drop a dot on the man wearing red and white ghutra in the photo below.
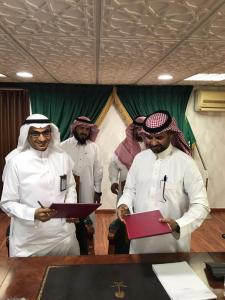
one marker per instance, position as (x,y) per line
(88,170)
(124,155)
(118,168)
(165,177)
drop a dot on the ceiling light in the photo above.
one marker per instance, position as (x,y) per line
(207,77)
(165,77)
(2,75)
(24,74)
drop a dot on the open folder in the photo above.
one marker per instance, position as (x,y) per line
(145,224)
(73,210)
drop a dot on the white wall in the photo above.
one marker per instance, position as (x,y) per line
(209,130)
(112,132)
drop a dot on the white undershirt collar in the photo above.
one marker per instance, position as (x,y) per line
(41,154)
(165,153)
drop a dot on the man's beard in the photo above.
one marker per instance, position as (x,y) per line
(157,149)
(80,138)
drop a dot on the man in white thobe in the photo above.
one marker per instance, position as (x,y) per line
(118,168)
(124,154)
(165,177)
(87,168)
(38,173)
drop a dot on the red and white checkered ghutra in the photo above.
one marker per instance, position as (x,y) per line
(161,121)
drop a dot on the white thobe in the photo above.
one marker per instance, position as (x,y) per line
(118,171)
(87,165)
(33,176)
(184,191)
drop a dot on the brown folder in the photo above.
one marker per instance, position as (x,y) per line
(74,210)
(145,224)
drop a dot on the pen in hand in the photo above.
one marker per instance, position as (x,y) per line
(44,214)
(52,211)
(42,206)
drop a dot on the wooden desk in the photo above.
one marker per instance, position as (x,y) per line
(22,277)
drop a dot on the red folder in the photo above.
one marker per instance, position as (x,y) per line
(145,224)
(73,210)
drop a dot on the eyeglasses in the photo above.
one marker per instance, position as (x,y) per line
(163,189)
(36,134)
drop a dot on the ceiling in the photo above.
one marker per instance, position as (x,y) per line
(112,41)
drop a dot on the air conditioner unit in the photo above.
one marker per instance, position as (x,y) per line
(208,100)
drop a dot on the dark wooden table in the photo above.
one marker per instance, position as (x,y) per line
(22,277)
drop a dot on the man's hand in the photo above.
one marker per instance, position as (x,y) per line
(97,197)
(122,211)
(44,214)
(115,188)
(172,223)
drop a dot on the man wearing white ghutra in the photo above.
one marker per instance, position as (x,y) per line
(37,173)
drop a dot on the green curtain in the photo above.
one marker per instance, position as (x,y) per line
(143,100)
(62,103)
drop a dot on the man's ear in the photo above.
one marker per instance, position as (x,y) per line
(171,134)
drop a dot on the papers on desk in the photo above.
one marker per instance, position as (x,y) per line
(181,282)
